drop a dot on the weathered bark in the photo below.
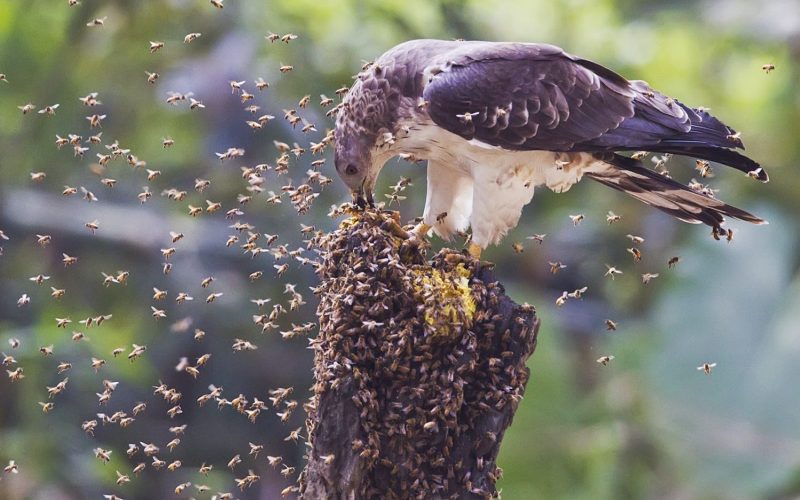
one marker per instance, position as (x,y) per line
(419,368)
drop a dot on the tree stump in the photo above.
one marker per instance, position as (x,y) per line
(419,369)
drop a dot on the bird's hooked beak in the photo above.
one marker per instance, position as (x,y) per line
(362,197)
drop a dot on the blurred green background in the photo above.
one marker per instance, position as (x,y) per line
(648,425)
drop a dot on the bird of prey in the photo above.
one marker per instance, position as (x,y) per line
(495,119)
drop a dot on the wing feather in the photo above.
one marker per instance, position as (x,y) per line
(554,101)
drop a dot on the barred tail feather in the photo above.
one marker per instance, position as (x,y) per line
(665,194)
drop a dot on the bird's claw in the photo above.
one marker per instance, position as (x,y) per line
(474,251)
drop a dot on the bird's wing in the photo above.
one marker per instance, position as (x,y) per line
(537,97)
(527,96)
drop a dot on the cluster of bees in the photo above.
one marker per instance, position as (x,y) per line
(413,396)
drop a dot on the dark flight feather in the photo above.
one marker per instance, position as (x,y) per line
(536,97)
(629,176)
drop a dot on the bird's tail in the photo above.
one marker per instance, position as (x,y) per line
(629,176)
(710,139)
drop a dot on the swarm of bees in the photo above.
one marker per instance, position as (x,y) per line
(411,381)
(299,183)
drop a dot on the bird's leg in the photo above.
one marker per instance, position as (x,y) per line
(474,251)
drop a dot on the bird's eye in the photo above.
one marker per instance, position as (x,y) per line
(351,169)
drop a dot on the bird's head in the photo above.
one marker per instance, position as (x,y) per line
(366,114)
(357,162)
(353,160)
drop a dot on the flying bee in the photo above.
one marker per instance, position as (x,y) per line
(39,278)
(181,487)
(108,182)
(767,68)
(103,455)
(96,120)
(605,360)
(707,367)
(207,281)
(611,217)
(218,3)
(93,226)
(636,253)
(49,110)
(285,68)
(158,313)
(611,325)
(38,176)
(673,261)
(139,408)
(212,206)
(144,195)
(97,22)
(15,375)
(612,271)
(212,297)
(156,46)
(88,426)
(195,211)
(261,84)
(647,277)
(122,478)
(43,240)
(173,444)
(191,37)
(704,168)
(88,195)
(26,108)
(201,184)
(576,219)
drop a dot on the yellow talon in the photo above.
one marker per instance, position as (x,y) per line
(475,251)
(420,231)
